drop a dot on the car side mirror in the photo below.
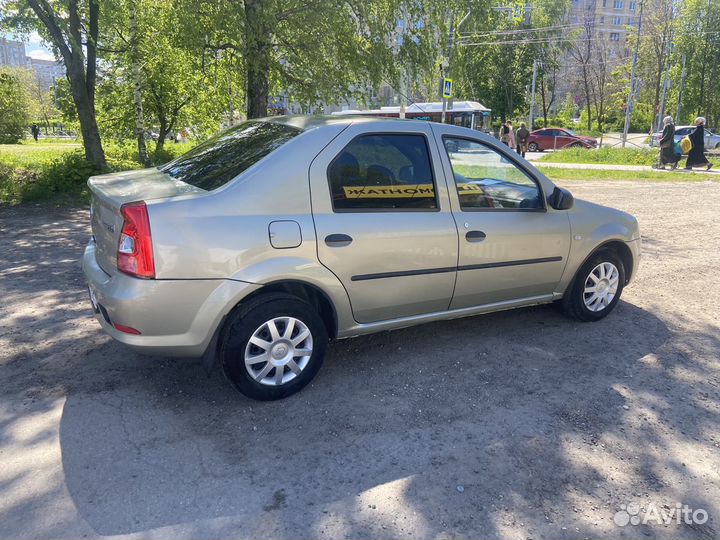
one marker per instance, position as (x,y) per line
(561,199)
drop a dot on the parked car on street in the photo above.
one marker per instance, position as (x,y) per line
(558,138)
(712,140)
(275,235)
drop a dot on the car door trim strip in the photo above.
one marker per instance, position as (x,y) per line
(425,271)
(364,277)
(509,263)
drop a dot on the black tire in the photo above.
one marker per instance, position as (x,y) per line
(245,320)
(533,147)
(576,145)
(574,299)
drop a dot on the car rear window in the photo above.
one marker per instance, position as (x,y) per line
(222,157)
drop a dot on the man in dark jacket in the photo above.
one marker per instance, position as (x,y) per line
(696,156)
(522,139)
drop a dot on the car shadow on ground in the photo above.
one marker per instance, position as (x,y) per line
(537,418)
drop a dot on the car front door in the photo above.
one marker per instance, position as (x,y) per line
(383,221)
(512,245)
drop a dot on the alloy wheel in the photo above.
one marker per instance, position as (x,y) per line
(278,351)
(601,286)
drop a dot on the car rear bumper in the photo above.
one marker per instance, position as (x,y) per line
(174,317)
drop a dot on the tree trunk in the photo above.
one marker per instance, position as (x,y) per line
(162,133)
(544,104)
(137,85)
(86,115)
(257,58)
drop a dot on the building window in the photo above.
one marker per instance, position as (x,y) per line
(631,21)
(614,36)
(617,21)
(618,4)
(602,20)
(633,6)
(604,3)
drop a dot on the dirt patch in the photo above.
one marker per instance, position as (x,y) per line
(521,424)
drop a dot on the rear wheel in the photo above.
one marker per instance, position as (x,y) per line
(533,147)
(273,346)
(597,287)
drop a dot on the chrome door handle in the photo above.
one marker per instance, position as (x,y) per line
(475,236)
(338,240)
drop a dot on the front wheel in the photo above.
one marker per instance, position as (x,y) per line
(597,287)
(533,147)
(273,346)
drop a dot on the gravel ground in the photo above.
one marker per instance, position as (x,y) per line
(520,424)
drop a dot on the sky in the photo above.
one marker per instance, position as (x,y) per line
(35,47)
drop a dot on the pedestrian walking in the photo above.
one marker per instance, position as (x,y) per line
(510,135)
(522,139)
(35,129)
(667,145)
(505,133)
(696,155)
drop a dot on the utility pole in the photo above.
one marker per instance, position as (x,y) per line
(403,89)
(680,95)
(666,86)
(631,94)
(532,95)
(447,69)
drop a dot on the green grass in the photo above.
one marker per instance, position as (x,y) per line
(34,155)
(608,156)
(57,170)
(556,173)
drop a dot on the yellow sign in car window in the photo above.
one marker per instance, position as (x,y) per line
(405,191)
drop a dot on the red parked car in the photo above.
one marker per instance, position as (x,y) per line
(557,138)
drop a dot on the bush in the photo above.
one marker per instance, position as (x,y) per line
(39,172)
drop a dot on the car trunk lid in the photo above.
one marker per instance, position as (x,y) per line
(110,191)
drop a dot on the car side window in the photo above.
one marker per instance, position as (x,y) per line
(378,172)
(487,180)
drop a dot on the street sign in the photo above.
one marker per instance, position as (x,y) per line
(447,88)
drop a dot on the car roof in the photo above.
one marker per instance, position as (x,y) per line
(314,121)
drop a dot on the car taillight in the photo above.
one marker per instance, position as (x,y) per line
(135,253)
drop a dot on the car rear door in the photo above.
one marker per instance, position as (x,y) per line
(383,220)
(512,246)
(541,138)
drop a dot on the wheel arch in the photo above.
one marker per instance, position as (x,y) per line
(303,290)
(620,248)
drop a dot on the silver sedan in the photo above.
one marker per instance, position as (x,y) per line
(256,247)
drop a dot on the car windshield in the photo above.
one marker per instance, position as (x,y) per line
(222,157)
(571,132)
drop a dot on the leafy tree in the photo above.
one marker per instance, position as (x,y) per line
(698,39)
(316,50)
(496,55)
(73,27)
(14,105)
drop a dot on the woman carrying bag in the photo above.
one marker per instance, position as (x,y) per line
(696,156)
